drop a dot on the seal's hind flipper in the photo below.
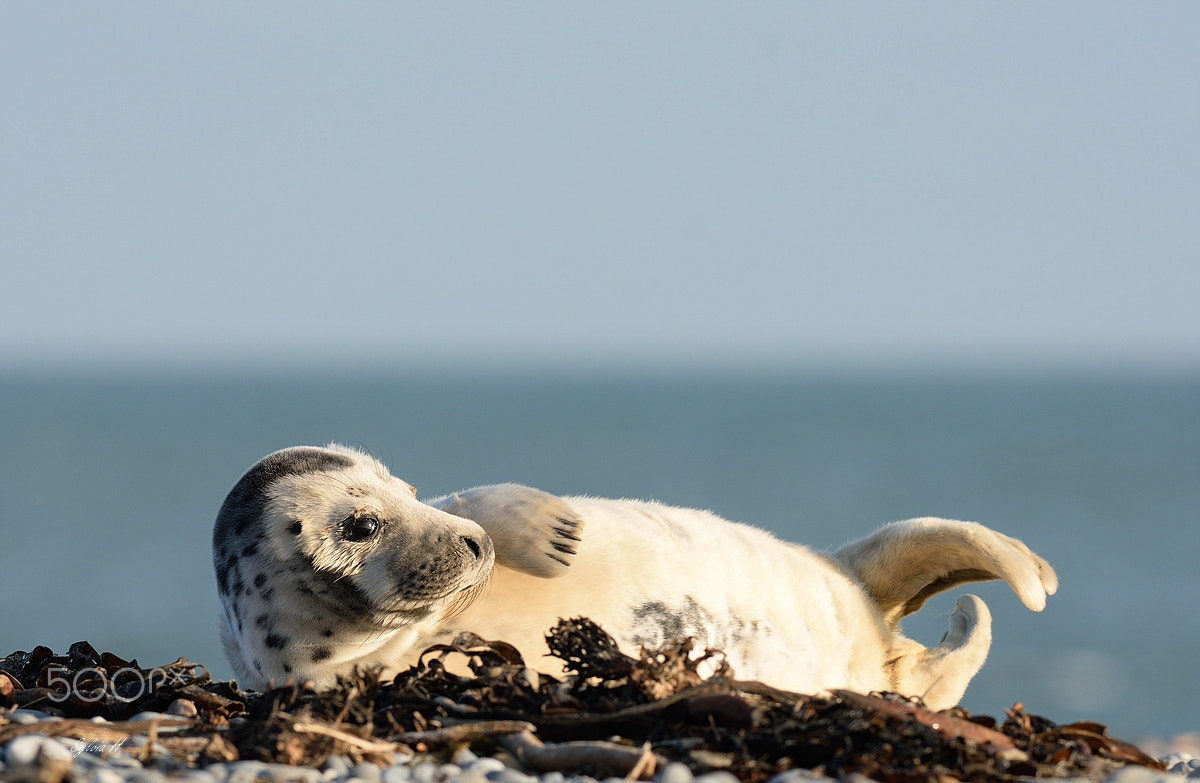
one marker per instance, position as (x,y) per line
(940,675)
(533,531)
(905,563)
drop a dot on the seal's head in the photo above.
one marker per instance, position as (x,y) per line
(322,557)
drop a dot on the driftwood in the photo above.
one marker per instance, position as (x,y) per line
(598,759)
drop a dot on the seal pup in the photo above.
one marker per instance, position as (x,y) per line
(330,562)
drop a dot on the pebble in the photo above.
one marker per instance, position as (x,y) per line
(397,774)
(1133,774)
(509,775)
(105,763)
(798,776)
(192,776)
(717,777)
(335,767)
(485,765)
(463,757)
(674,772)
(367,773)
(243,771)
(1183,764)
(25,750)
(27,717)
(183,708)
(104,775)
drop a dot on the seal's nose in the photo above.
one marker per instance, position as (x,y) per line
(473,545)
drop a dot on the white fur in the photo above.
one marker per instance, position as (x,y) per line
(785,615)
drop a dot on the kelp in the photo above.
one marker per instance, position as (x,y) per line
(606,713)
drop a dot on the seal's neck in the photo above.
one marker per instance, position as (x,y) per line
(272,643)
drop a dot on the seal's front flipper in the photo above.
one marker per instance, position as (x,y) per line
(940,675)
(533,531)
(905,563)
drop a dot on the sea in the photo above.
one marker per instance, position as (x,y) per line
(109,485)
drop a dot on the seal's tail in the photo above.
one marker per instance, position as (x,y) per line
(940,675)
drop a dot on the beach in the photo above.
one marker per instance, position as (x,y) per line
(95,717)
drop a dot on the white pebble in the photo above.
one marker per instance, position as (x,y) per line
(25,750)
(1182,764)
(424,772)
(798,776)
(146,776)
(446,772)
(553,777)
(1132,774)
(243,771)
(192,776)
(509,775)
(104,775)
(400,773)
(469,776)
(367,773)
(485,765)
(284,773)
(123,761)
(674,772)
(183,708)
(463,757)
(717,777)
(335,767)
(28,717)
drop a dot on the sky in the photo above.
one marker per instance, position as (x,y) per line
(784,185)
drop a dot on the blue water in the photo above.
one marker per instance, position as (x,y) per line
(108,488)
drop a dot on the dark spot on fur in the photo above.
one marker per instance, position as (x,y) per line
(321,654)
(249,549)
(327,632)
(276,641)
(258,666)
(690,619)
(244,504)
(260,580)
(266,594)
(262,621)
(295,527)
(287,668)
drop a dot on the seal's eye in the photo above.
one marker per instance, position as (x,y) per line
(360,528)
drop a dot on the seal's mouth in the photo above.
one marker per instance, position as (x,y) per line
(393,619)
(401,610)
(466,597)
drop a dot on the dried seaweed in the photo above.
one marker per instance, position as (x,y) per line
(480,693)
